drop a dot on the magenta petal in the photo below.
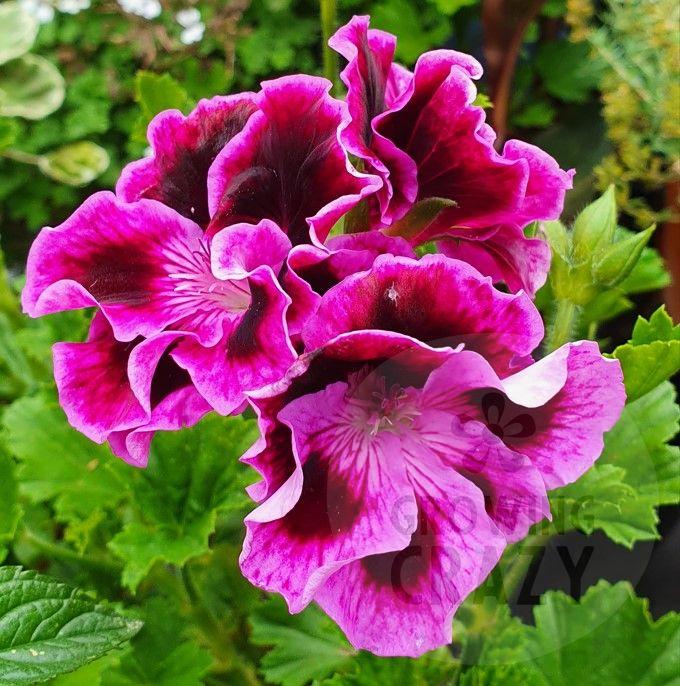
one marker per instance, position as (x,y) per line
(350,494)
(183,148)
(438,300)
(506,256)
(123,257)
(586,399)
(546,186)
(514,490)
(287,164)
(92,380)
(403,603)
(254,349)
(375,85)
(242,248)
(272,455)
(182,408)
(312,270)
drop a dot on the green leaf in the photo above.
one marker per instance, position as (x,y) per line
(417,30)
(59,464)
(10,511)
(659,327)
(436,667)
(539,114)
(638,444)
(9,130)
(192,475)
(76,164)
(156,93)
(636,473)
(450,7)
(88,675)
(607,637)
(568,70)
(593,502)
(306,646)
(18,30)
(162,654)
(651,356)
(594,227)
(48,628)
(616,262)
(30,87)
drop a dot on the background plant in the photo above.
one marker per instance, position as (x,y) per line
(161,545)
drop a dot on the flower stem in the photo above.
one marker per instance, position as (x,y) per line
(564,323)
(525,555)
(21,156)
(330,61)
(50,548)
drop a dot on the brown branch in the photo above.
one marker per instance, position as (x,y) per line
(505,22)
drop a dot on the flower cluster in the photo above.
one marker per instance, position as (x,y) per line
(266,253)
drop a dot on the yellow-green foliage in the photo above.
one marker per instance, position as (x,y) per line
(640,43)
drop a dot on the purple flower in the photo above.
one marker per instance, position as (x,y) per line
(214,302)
(287,164)
(125,391)
(389,488)
(183,148)
(312,270)
(424,137)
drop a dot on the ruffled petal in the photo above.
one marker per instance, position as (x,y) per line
(350,496)
(586,399)
(93,384)
(130,259)
(181,408)
(555,411)
(402,603)
(314,270)
(438,300)
(375,85)
(254,348)
(506,255)
(183,148)
(546,186)
(287,164)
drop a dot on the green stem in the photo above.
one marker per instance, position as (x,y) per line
(21,156)
(564,323)
(330,59)
(526,554)
(58,551)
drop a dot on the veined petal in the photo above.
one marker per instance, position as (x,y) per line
(287,164)
(181,408)
(183,149)
(313,270)
(93,384)
(555,411)
(438,300)
(402,603)
(514,492)
(354,489)
(253,350)
(506,255)
(375,85)
(570,425)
